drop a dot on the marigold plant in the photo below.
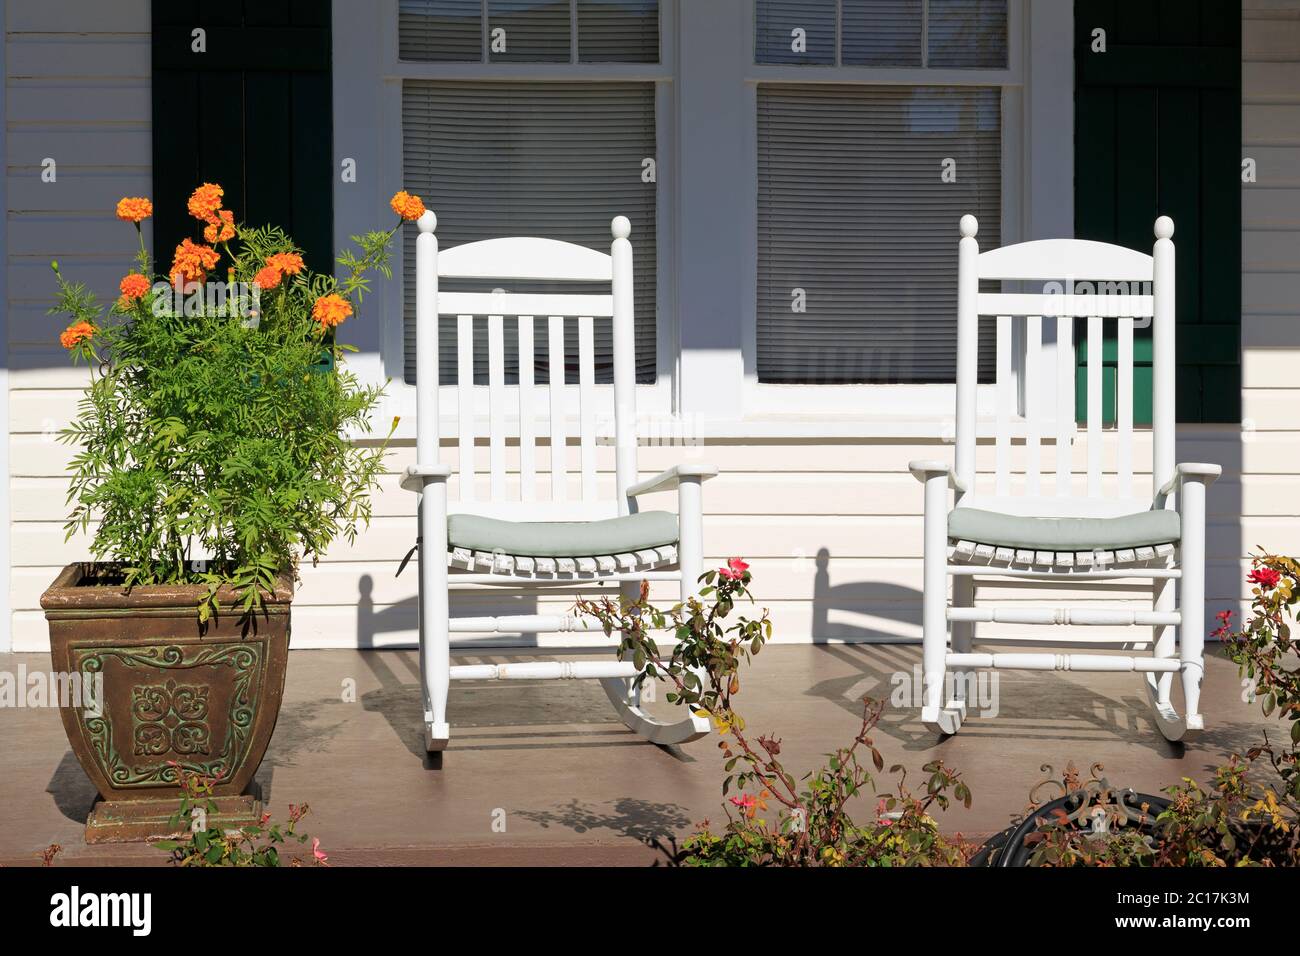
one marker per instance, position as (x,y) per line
(217,440)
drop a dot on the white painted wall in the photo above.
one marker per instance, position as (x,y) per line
(789,490)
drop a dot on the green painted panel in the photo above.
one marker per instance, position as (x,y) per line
(1158,132)
(253,113)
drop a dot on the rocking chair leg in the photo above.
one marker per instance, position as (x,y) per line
(963,632)
(1191,601)
(936,716)
(435,650)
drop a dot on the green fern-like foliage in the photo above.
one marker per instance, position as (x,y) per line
(221,426)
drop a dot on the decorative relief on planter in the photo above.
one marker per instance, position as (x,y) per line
(190,704)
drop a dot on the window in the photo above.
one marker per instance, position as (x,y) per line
(529,31)
(860,189)
(882,33)
(556,159)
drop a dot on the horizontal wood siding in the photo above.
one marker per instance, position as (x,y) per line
(832,528)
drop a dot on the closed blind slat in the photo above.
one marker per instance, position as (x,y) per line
(558,160)
(853,211)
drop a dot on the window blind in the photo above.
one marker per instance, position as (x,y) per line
(618,31)
(857,227)
(530,31)
(443,30)
(775,22)
(968,33)
(533,31)
(555,159)
(881,33)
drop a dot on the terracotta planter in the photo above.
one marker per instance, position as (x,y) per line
(206,700)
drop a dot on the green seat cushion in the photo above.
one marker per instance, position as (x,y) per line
(1063,534)
(563,539)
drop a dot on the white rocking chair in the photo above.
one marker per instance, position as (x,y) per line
(516,540)
(1088,531)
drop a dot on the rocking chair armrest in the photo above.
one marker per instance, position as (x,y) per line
(671,478)
(1190,470)
(415,477)
(924,468)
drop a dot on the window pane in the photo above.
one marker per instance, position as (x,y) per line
(440,30)
(968,33)
(558,160)
(794,31)
(857,226)
(882,33)
(528,31)
(618,31)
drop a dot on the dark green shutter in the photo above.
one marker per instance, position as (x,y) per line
(253,113)
(1158,132)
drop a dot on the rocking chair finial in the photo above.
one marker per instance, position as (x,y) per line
(428,221)
(621,227)
(1164,228)
(969,226)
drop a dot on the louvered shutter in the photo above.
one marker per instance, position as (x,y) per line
(853,211)
(555,159)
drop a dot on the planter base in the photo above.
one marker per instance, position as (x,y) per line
(138,821)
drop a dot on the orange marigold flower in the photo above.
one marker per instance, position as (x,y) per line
(205,201)
(134,286)
(290,263)
(134,208)
(406,205)
(267,278)
(192,261)
(221,227)
(330,310)
(73,335)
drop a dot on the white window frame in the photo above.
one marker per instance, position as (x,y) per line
(879,402)
(368,77)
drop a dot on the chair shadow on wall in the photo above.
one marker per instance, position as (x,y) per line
(482,717)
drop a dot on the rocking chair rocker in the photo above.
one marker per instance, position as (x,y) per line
(512,538)
(1090,531)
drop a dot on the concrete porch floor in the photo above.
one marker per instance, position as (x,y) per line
(573,786)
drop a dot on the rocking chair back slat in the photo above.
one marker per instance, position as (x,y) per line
(497,404)
(1092,281)
(558,434)
(465,402)
(527,429)
(1064,401)
(1033,420)
(1005,403)
(1094,405)
(587,403)
(1124,405)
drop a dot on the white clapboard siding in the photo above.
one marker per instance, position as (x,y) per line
(777,502)
(77,90)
